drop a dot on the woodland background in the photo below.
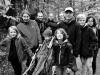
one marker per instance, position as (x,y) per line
(56,6)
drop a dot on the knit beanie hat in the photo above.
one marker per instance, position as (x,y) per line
(47,32)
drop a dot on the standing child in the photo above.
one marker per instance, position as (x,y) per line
(62,53)
(88,43)
(91,21)
(16,48)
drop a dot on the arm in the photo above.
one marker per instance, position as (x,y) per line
(93,40)
(51,43)
(70,55)
(77,40)
(38,33)
(53,24)
(54,46)
(26,47)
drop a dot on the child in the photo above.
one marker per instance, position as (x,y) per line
(91,21)
(44,54)
(88,43)
(62,52)
(16,48)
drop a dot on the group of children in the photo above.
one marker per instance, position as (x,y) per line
(60,46)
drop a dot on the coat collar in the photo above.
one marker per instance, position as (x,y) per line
(63,43)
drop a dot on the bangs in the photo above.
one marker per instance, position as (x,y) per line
(65,36)
(14,28)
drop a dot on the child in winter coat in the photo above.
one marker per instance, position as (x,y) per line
(17,49)
(88,44)
(91,21)
(61,52)
(44,54)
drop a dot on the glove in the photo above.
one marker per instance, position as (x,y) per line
(68,70)
(33,57)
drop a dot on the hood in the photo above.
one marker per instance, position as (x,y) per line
(62,43)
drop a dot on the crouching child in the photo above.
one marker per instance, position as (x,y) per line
(44,55)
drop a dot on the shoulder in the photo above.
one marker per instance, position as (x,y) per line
(69,44)
(89,28)
(20,38)
(33,21)
(77,25)
(55,43)
(19,25)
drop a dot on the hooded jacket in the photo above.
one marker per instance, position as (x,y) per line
(62,53)
(88,42)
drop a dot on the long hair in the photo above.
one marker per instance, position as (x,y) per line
(14,28)
(94,20)
(65,35)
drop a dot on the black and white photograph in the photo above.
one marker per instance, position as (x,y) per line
(49,37)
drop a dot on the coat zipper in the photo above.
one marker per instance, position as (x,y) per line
(59,54)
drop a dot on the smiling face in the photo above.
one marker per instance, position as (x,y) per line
(90,22)
(59,35)
(68,15)
(25,17)
(40,16)
(12,33)
(82,21)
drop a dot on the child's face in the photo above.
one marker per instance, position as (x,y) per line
(82,21)
(59,35)
(12,33)
(90,21)
(47,37)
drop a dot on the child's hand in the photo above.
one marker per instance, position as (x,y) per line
(53,37)
(53,68)
(33,57)
(51,42)
(40,45)
(68,70)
